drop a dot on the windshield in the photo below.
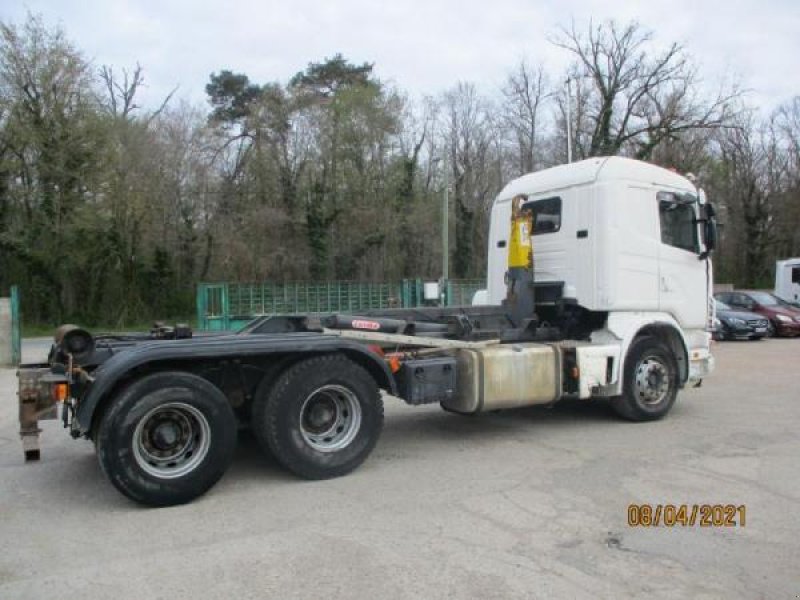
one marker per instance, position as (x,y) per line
(722,306)
(765,299)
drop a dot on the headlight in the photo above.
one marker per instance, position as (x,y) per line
(784,318)
(736,322)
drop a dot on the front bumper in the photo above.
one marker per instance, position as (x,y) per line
(701,364)
(744,331)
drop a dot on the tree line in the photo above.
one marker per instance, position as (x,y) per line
(111,212)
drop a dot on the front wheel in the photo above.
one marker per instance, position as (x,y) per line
(321,418)
(650,383)
(167,438)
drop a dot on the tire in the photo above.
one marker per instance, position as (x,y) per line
(321,418)
(166,438)
(650,383)
(772,330)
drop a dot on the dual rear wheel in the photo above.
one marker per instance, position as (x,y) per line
(169,437)
(321,418)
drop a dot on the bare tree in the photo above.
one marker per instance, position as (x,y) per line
(121,93)
(750,183)
(786,127)
(473,161)
(639,96)
(524,93)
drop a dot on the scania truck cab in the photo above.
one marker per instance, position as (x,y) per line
(631,243)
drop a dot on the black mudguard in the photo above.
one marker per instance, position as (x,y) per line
(117,368)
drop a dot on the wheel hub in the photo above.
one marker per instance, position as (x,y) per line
(321,415)
(652,381)
(171,440)
(330,418)
(165,436)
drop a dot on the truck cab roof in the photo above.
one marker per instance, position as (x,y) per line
(594,170)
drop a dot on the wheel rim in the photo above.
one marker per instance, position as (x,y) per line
(652,381)
(171,440)
(330,418)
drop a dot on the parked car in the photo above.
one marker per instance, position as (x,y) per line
(784,319)
(734,324)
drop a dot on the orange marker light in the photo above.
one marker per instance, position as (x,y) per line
(393,360)
(60,392)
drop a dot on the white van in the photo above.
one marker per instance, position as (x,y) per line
(787,280)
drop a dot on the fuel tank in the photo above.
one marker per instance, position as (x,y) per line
(505,376)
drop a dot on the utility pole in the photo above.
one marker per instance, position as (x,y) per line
(569,121)
(445,233)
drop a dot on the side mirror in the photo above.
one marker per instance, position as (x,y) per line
(709,229)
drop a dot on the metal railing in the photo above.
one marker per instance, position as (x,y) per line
(226,306)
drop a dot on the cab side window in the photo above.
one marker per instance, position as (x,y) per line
(678,225)
(546,215)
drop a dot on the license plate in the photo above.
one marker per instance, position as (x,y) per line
(761,330)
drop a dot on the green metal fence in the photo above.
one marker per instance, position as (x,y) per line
(226,306)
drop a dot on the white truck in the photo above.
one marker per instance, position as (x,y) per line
(599,285)
(787,280)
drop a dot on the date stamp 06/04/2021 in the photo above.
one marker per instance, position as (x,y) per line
(687,515)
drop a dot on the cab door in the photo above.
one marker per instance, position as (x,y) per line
(684,280)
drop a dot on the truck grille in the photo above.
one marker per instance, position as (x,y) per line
(757,322)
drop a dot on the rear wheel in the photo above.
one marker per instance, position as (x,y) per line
(167,438)
(650,383)
(321,418)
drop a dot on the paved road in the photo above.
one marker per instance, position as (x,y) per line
(528,503)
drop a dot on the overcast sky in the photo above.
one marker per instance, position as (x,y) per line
(422,46)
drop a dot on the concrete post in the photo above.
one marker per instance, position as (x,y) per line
(6,344)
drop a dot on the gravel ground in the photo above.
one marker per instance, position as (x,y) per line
(528,503)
